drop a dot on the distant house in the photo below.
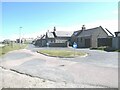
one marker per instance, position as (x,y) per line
(41,42)
(27,40)
(116,41)
(45,40)
(93,37)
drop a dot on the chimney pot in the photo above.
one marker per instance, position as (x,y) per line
(83,27)
(54,29)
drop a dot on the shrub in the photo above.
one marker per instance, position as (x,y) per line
(109,49)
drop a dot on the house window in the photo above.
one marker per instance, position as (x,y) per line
(81,39)
(51,41)
(77,40)
(75,33)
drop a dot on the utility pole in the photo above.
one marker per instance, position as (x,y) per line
(20,36)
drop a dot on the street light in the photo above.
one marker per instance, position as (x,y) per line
(20,36)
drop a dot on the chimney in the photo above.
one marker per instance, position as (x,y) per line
(116,34)
(83,27)
(54,29)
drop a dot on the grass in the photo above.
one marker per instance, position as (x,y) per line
(7,48)
(61,53)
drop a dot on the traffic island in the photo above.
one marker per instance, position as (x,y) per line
(62,53)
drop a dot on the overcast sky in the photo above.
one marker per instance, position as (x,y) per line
(36,18)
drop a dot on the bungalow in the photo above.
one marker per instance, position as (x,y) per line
(93,37)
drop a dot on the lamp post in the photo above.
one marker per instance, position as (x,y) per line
(20,36)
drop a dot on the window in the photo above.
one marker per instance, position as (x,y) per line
(81,39)
(51,41)
(75,33)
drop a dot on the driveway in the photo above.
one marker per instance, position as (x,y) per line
(97,69)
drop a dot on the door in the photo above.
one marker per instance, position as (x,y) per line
(87,43)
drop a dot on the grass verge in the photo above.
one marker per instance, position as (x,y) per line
(62,53)
(7,48)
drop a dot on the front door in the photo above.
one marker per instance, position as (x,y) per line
(87,43)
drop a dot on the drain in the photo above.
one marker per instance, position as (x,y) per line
(62,65)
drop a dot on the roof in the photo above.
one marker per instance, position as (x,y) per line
(43,37)
(50,35)
(63,33)
(108,32)
(76,33)
(89,32)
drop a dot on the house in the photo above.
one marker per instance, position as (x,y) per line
(61,38)
(27,40)
(93,37)
(116,40)
(58,38)
(41,42)
(54,39)
(45,39)
(50,38)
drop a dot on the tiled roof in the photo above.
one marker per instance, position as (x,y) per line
(43,37)
(89,32)
(50,35)
(63,33)
(76,33)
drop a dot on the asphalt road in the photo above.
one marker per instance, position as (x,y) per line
(99,68)
(95,57)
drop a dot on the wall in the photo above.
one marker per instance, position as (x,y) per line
(81,42)
(104,42)
(44,43)
(58,44)
(37,42)
(73,39)
(116,42)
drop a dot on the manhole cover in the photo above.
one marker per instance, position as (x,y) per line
(62,65)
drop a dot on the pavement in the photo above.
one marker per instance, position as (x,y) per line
(11,79)
(98,69)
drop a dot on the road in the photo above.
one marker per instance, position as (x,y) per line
(98,69)
(96,57)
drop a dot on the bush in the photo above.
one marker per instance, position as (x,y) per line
(118,50)
(109,49)
(106,48)
(99,48)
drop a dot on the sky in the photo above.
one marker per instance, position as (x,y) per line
(36,18)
